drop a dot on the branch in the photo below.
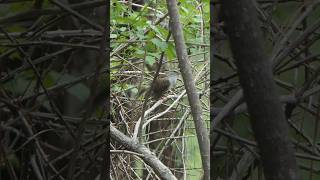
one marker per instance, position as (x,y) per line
(189,83)
(255,73)
(149,157)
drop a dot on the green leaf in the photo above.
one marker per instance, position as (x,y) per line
(80,91)
(160,44)
(139,51)
(123,29)
(150,60)
(22,82)
(171,53)
(156,29)
(113,36)
(19,7)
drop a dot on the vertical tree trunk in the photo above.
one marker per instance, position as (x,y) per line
(254,68)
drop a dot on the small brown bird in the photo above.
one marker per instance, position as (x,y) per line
(163,83)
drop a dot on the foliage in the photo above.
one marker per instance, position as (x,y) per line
(143,39)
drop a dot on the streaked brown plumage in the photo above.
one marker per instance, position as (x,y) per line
(162,84)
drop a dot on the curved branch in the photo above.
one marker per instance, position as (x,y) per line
(149,157)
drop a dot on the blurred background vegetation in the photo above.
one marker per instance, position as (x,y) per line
(293,45)
(52,89)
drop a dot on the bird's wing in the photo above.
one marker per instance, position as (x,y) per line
(161,85)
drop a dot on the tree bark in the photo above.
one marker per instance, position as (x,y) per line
(254,68)
(150,158)
(189,84)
